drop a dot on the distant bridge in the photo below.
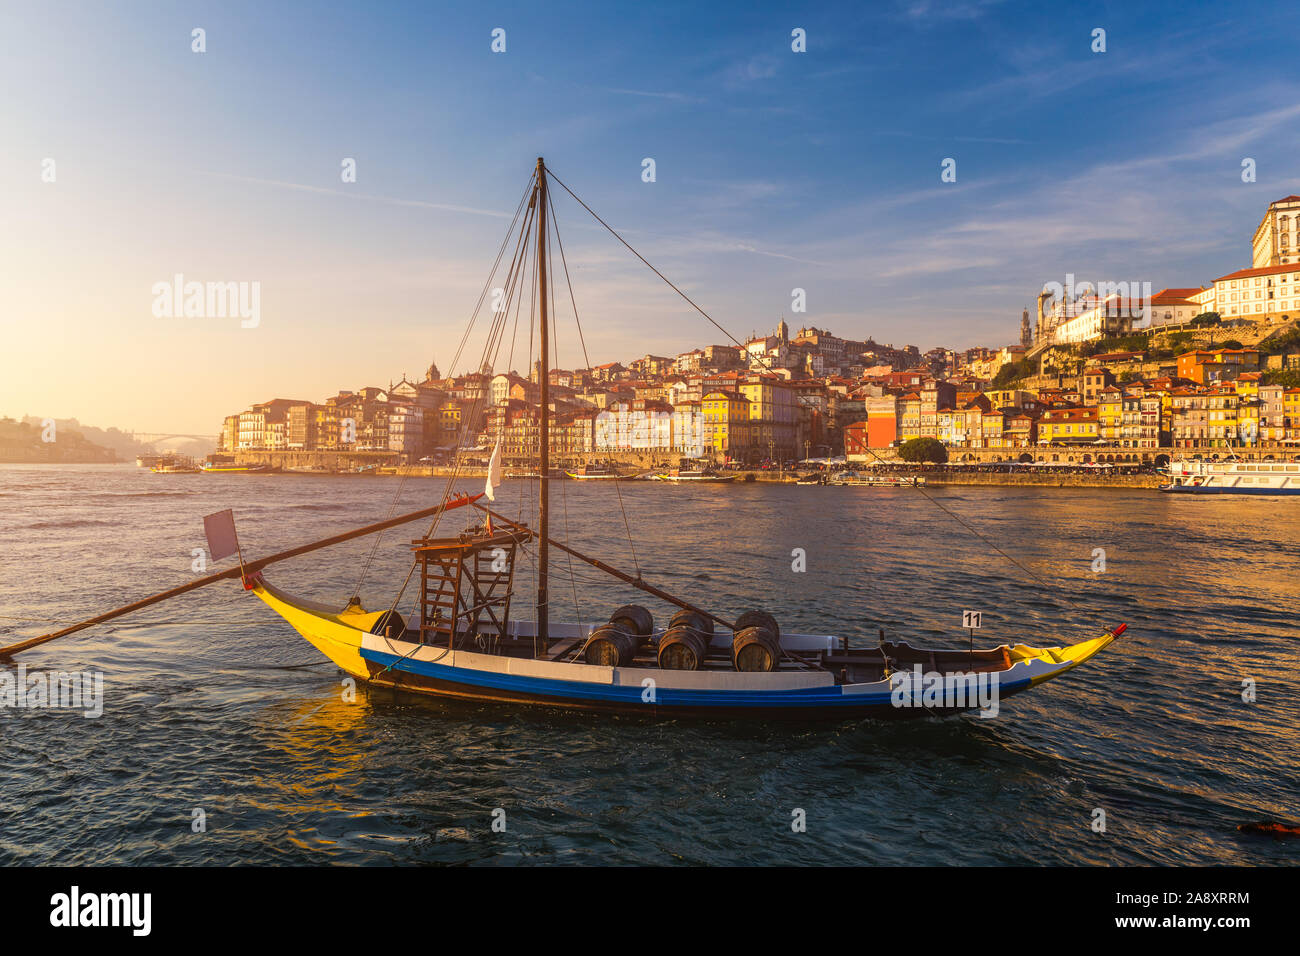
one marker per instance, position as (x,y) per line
(149,438)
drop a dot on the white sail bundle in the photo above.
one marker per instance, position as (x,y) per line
(494,476)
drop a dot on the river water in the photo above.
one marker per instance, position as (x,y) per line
(214,703)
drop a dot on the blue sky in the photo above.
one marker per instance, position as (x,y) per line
(775,170)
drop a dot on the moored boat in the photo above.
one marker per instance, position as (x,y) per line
(231,469)
(867,479)
(695,475)
(594,472)
(1233,477)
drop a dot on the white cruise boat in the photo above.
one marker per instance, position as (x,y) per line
(1193,476)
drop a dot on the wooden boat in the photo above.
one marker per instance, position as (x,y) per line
(174,469)
(457,638)
(224,469)
(174,465)
(488,659)
(695,475)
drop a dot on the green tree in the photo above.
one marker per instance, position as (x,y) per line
(1287,378)
(1281,341)
(1012,372)
(1118,343)
(923,450)
(1205,320)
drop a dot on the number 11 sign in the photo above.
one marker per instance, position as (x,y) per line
(970,619)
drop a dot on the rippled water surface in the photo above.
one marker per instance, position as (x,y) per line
(213,702)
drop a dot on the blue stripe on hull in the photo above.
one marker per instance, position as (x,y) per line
(1202,490)
(546,690)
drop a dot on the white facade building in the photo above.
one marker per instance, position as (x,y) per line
(1277,238)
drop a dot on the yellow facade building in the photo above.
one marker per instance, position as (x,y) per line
(726,423)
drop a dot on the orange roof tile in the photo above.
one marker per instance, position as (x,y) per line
(1265,271)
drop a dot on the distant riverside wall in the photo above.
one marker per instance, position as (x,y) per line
(342,461)
(1048,480)
(1061,455)
(345,460)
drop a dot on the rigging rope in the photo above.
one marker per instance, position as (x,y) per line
(965,524)
(365,568)
(491,349)
(627,527)
(564,486)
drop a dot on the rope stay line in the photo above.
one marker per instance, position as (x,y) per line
(555,222)
(761,358)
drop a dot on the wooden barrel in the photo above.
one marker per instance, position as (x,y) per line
(390,625)
(683,649)
(758,619)
(695,619)
(755,649)
(634,618)
(611,646)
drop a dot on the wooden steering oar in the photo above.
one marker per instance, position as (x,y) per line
(248,568)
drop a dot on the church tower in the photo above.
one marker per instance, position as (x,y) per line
(1026,333)
(432,374)
(783,332)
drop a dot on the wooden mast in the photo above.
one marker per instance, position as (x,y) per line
(543,495)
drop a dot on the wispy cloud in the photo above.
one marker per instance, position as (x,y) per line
(746,72)
(938,11)
(367,197)
(656,94)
